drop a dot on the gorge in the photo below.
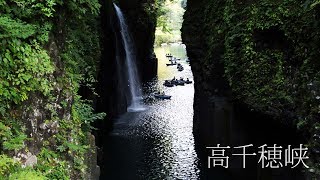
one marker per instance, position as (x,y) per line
(77,80)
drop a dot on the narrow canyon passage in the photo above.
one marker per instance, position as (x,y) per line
(157,143)
(168,139)
(160,89)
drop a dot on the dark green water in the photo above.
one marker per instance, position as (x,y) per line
(157,143)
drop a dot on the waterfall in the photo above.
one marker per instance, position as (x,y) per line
(130,64)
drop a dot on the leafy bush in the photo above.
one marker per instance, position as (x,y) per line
(169,21)
(27,174)
(83,111)
(51,167)
(12,138)
(23,69)
(7,166)
(27,70)
(12,170)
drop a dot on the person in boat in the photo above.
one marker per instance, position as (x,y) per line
(187,79)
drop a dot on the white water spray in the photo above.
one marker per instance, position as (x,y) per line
(131,67)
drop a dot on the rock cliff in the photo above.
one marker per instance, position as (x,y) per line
(253,56)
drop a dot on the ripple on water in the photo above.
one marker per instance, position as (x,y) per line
(159,140)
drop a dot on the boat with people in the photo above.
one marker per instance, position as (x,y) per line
(169,55)
(161,96)
(168,83)
(180,68)
(175,59)
(188,81)
(176,82)
(180,83)
(171,58)
(172,63)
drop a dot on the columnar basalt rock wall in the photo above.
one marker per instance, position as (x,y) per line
(259,56)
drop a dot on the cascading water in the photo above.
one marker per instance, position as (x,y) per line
(130,60)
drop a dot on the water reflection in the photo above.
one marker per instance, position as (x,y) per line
(165,72)
(157,143)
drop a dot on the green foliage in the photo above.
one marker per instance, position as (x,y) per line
(72,139)
(14,143)
(268,77)
(311,3)
(164,38)
(169,21)
(24,69)
(28,8)
(7,165)
(81,8)
(82,53)
(15,29)
(51,167)
(12,138)
(83,111)
(12,170)
(269,51)
(27,174)
(27,70)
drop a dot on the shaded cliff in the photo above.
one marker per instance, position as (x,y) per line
(141,17)
(142,25)
(112,86)
(57,68)
(254,64)
(48,51)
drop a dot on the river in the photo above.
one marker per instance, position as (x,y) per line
(156,143)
